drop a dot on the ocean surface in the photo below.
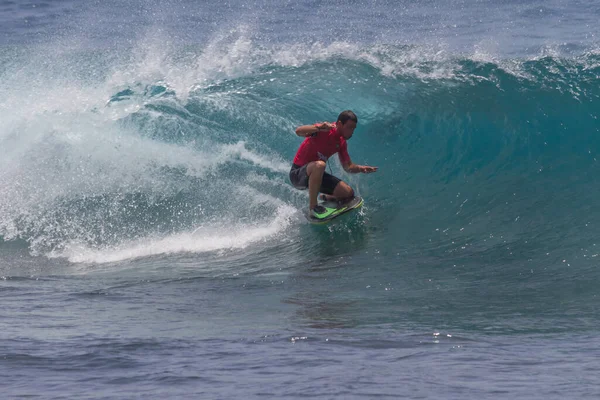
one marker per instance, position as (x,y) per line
(151,245)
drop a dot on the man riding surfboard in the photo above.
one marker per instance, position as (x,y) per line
(323,140)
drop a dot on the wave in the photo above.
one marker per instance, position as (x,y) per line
(106,159)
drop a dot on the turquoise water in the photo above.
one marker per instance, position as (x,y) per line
(151,244)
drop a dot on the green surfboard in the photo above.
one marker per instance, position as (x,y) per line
(335,209)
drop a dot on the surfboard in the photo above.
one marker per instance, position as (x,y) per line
(336,209)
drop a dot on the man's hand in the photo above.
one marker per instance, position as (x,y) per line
(365,169)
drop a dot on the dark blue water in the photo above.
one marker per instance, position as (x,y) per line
(151,245)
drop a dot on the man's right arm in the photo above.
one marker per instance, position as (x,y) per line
(311,130)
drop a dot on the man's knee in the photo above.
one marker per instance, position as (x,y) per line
(320,165)
(317,166)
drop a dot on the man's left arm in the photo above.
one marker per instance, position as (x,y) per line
(349,166)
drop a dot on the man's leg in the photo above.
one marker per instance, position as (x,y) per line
(343,192)
(314,170)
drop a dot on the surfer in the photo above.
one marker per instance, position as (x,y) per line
(323,140)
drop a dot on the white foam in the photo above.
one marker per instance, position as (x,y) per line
(233,53)
(204,239)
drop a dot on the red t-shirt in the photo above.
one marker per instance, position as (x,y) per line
(321,147)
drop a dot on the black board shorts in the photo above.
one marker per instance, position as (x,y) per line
(299,179)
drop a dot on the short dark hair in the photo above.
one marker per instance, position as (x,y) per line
(347,115)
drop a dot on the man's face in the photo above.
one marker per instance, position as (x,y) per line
(347,129)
